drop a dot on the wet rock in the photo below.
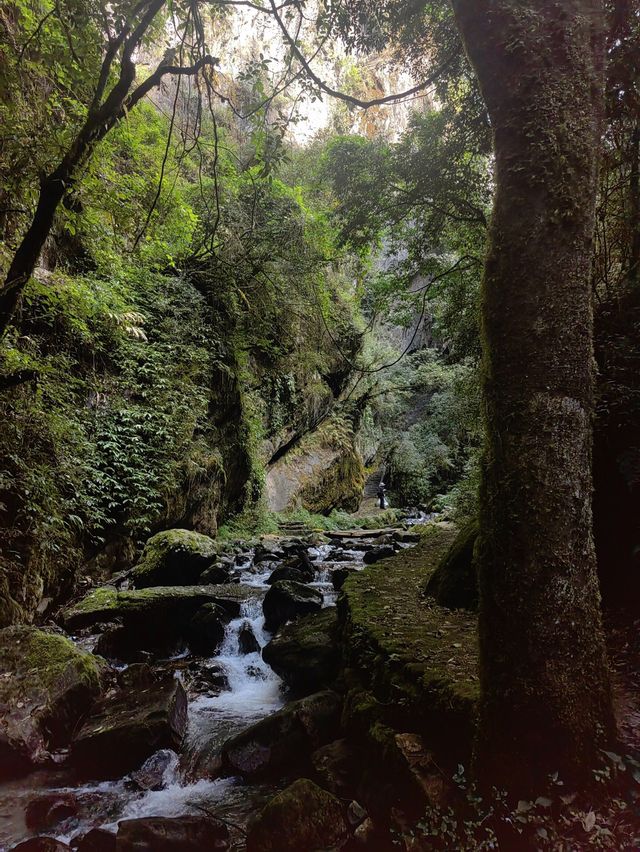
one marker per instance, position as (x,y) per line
(95,840)
(339,577)
(302,817)
(285,572)
(247,641)
(172,834)
(173,557)
(282,742)
(206,630)
(140,642)
(156,608)
(334,767)
(46,811)
(384,551)
(150,776)
(356,814)
(127,727)
(41,844)
(217,574)
(209,679)
(46,685)
(265,553)
(454,583)
(287,600)
(305,653)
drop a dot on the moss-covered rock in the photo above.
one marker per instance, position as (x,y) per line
(174,558)
(178,603)
(46,685)
(339,486)
(454,583)
(305,653)
(302,817)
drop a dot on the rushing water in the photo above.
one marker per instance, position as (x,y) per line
(252,691)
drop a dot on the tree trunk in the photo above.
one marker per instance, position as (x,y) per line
(545,703)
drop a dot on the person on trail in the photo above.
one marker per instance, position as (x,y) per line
(382,495)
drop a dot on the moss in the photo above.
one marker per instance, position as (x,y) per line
(50,655)
(174,556)
(339,487)
(454,583)
(409,651)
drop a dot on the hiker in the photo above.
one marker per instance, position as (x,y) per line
(382,495)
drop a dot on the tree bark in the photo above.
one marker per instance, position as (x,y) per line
(545,693)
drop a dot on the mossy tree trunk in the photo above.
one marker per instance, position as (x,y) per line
(544,672)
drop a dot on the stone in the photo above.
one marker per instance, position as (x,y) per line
(286,572)
(339,577)
(155,607)
(282,742)
(172,834)
(95,840)
(301,817)
(384,551)
(334,766)
(217,574)
(247,641)
(287,600)
(305,652)
(41,844)
(174,558)
(125,728)
(206,630)
(407,536)
(48,810)
(46,686)
(454,583)
(151,774)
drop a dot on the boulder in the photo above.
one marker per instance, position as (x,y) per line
(407,536)
(287,600)
(41,844)
(376,554)
(285,572)
(174,558)
(454,583)
(301,817)
(49,809)
(215,575)
(339,577)
(206,630)
(305,652)
(334,767)
(247,641)
(151,774)
(127,727)
(46,686)
(282,743)
(95,840)
(172,834)
(153,608)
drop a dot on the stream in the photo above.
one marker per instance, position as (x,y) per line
(247,691)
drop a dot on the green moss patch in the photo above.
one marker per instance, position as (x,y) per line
(410,652)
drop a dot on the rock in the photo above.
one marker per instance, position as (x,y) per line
(287,600)
(263,553)
(247,641)
(454,583)
(126,728)
(334,766)
(356,814)
(339,577)
(46,685)
(302,817)
(150,776)
(305,653)
(41,844)
(282,742)
(206,630)
(153,608)
(95,840)
(285,572)
(174,558)
(209,679)
(374,555)
(172,834)
(407,536)
(218,574)
(48,810)
(136,644)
